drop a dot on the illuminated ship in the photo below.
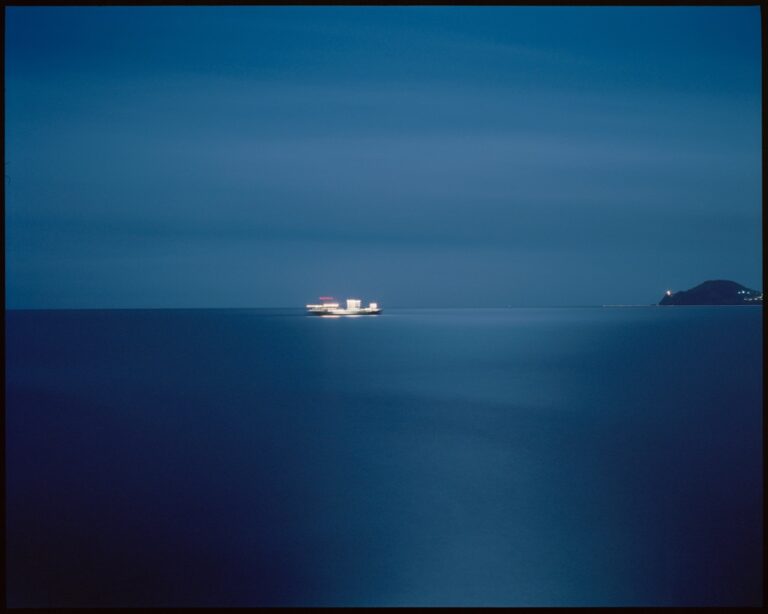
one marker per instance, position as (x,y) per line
(330,308)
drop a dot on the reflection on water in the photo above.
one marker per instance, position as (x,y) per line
(447,457)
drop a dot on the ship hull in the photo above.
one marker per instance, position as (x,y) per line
(343,312)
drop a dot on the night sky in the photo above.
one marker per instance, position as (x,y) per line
(455,156)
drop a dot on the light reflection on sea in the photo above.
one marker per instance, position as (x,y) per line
(419,457)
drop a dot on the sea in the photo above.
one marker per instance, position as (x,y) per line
(606,456)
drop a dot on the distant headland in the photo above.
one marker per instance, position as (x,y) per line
(715,292)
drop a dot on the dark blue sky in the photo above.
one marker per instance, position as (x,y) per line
(458,156)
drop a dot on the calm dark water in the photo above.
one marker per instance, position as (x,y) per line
(448,457)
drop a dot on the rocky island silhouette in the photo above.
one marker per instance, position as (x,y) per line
(714,292)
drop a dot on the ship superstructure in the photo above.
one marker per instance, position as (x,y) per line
(329,307)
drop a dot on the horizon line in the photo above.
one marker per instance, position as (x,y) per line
(211,308)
